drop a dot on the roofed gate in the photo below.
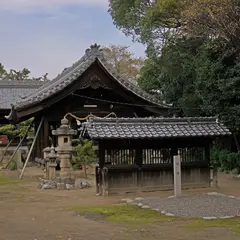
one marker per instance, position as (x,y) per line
(137,154)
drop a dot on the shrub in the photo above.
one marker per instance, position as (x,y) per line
(84,155)
(13,165)
(225,160)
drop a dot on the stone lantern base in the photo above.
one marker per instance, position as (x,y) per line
(52,171)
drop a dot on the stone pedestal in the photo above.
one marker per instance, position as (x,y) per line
(19,159)
(46,152)
(64,149)
(51,165)
(52,170)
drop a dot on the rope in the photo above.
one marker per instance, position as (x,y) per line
(88,116)
(80,119)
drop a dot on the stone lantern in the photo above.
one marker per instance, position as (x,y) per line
(46,151)
(52,156)
(64,148)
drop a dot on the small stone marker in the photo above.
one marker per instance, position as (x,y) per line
(209,218)
(126,199)
(69,187)
(60,186)
(78,183)
(177,176)
(169,215)
(145,207)
(139,199)
(212,193)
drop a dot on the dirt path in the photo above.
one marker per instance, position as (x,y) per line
(28,213)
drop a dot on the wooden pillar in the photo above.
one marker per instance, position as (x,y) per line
(138,162)
(138,156)
(36,151)
(43,138)
(207,159)
(101,154)
(101,165)
(46,142)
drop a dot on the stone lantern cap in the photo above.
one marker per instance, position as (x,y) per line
(52,156)
(47,149)
(64,129)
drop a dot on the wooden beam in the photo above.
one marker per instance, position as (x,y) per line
(20,143)
(46,133)
(30,151)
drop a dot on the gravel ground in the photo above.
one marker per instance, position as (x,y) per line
(202,205)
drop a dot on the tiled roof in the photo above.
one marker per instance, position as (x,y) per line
(69,75)
(135,128)
(13,91)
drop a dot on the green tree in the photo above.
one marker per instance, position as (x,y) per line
(13,132)
(147,21)
(20,75)
(218,18)
(157,21)
(173,73)
(3,72)
(123,61)
(85,155)
(199,76)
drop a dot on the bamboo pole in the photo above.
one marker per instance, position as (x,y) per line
(8,145)
(30,151)
(20,143)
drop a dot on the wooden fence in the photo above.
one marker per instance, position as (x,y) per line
(131,170)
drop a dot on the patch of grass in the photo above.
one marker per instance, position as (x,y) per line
(125,214)
(13,164)
(4,180)
(133,215)
(232,224)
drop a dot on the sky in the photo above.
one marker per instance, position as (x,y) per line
(47,36)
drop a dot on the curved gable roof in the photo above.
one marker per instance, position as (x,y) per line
(69,75)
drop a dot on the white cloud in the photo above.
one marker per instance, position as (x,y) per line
(51,42)
(23,6)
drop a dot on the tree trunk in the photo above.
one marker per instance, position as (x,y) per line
(85,171)
(236,141)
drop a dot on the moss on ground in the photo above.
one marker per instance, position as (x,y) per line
(125,214)
(232,224)
(133,215)
(5,180)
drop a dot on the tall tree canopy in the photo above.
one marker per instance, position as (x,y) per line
(146,20)
(193,54)
(198,77)
(19,75)
(123,61)
(155,21)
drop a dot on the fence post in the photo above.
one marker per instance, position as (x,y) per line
(177,176)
